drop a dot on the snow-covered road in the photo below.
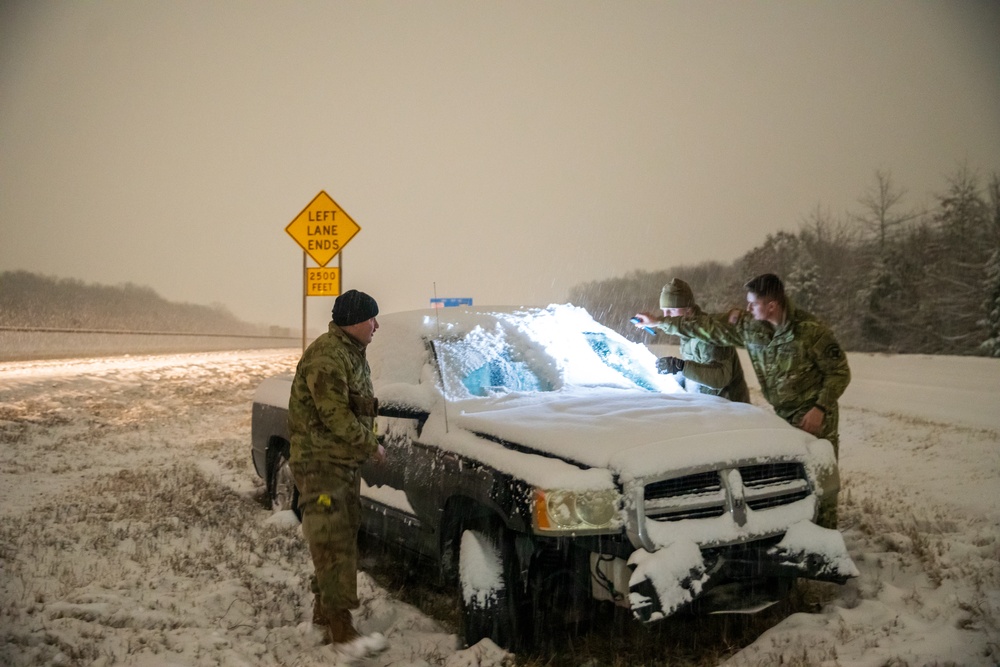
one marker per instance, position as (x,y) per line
(130,532)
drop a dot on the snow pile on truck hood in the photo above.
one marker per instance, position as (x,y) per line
(633,431)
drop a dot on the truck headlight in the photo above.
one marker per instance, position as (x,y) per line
(564,511)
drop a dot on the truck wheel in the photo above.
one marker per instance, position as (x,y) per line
(488,588)
(281,486)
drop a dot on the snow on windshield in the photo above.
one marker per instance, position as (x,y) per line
(539,351)
(484,364)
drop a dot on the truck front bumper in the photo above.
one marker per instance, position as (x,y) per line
(738,578)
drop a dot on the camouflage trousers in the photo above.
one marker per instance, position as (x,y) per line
(827,514)
(330,500)
(827,511)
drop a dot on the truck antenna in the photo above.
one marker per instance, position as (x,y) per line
(437,318)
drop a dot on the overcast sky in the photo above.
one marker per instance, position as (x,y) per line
(505,151)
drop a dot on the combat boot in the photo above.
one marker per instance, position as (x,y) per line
(320,617)
(348,641)
(340,627)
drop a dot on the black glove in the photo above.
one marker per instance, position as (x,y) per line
(669,365)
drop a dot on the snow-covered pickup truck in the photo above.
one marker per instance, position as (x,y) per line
(538,459)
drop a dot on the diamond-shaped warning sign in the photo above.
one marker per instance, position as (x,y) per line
(322,229)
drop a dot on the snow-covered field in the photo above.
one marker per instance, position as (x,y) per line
(131,532)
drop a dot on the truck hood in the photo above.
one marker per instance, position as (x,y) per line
(633,432)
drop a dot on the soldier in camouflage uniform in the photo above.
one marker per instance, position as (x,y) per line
(331,421)
(801,367)
(704,368)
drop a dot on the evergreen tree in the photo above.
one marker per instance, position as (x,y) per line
(955,266)
(803,283)
(991,307)
(991,346)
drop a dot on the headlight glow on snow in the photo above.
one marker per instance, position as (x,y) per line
(565,511)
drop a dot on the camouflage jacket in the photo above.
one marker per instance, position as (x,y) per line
(799,364)
(332,408)
(712,369)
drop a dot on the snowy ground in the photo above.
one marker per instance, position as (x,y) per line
(131,534)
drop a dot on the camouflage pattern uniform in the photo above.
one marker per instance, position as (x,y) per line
(331,415)
(712,369)
(799,366)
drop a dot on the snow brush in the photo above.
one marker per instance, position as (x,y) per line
(649,330)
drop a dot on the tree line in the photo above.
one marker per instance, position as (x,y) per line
(886,277)
(31,300)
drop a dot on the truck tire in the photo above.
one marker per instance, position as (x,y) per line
(281,485)
(491,603)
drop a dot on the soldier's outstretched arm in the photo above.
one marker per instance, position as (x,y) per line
(715,329)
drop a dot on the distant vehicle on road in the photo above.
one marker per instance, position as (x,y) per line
(541,463)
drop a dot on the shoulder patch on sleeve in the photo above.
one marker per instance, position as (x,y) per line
(833,351)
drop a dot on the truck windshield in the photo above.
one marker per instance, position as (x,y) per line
(483,364)
(491,363)
(615,356)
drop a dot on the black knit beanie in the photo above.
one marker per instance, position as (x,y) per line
(352,307)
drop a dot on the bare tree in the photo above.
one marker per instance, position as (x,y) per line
(880,216)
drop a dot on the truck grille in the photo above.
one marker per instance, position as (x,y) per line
(713,493)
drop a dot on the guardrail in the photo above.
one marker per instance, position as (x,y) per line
(19,343)
(143,333)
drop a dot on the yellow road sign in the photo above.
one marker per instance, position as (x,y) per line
(322,281)
(322,229)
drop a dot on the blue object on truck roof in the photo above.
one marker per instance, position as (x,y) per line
(450,302)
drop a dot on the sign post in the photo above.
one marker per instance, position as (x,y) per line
(322,230)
